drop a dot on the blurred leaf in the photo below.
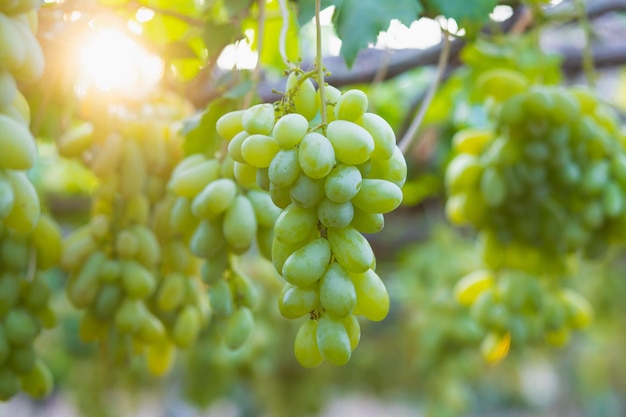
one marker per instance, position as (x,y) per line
(199,130)
(470,15)
(306,9)
(177,50)
(186,69)
(217,35)
(185,7)
(236,7)
(163,29)
(358,22)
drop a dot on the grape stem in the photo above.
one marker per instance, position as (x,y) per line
(409,137)
(318,62)
(588,64)
(284,29)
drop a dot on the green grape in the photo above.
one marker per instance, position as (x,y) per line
(221,299)
(17,145)
(372,299)
(281,251)
(9,383)
(307,265)
(8,88)
(240,226)
(353,328)
(281,196)
(264,241)
(337,292)
(382,133)
(38,381)
(463,172)
(470,286)
(245,174)
(20,327)
(7,197)
(492,187)
(189,182)
(4,346)
(265,211)
(126,244)
(208,240)
(151,329)
(306,191)
(106,302)
(304,96)
(295,301)
(258,150)
(290,129)
(230,124)
(159,358)
(47,240)
(258,119)
(336,215)
(351,249)
(9,291)
(172,291)
(613,200)
(216,197)
(22,359)
(14,253)
(132,169)
(353,144)
(263,178)
(306,349)
(580,311)
(138,282)
(332,95)
(316,155)
(501,83)
(186,327)
(366,222)
(294,224)
(393,169)
(148,248)
(333,340)
(83,287)
(235,145)
(351,105)
(247,293)
(378,196)
(239,328)
(26,207)
(284,168)
(342,183)
(595,177)
(471,141)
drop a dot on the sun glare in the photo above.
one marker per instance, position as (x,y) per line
(112,62)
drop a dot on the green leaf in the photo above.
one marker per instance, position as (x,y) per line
(217,35)
(306,9)
(470,15)
(236,7)
(199,130)
(163,29)
(358,22)
(184,7)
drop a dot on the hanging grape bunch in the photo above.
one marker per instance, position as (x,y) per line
(333,183)
(545,184)
(29,241)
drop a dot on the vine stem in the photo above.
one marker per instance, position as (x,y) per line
(409,137)
(284,30)
(318,62)
(588,64)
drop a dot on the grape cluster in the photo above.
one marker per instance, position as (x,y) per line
(548,181)
(516,308)
(24,305)
(333,182)
(221,217)
(129,271)
(29,241)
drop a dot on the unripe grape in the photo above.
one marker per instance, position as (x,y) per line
(230,124)
(294,224)
(378,196)
(306,349)
(307,265)
(382,133)
(258,119)
(235,145)
(258,150)
(216,197)
(306,191)
(333,214)
(316,155)
(337,292)
(240,224)
(351,249)
(284,168)
(333,340)
(239,328)
(342,183)
(290,129)
(295,301)
(351,105)
(353,144)
(303,96)
(372,299)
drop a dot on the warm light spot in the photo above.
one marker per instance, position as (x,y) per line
(501,13)
(144,14)
(111,61)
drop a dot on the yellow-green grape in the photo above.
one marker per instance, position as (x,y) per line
(290,129)
(230,124)
(333,340)
(351,105)
(265,210)
(471,141)
(378,196)
(382,133)
(189,182)
(316,155)
(245,174)
(366,222)
(258,119)
(613,200)
(470,286)
(221,299)
(151,329)
(208,239)
(216,197)
(281,196)
(492,187)
(393,169)
(294,224)
(20,327)
(337,292)
(240,224)
(580,311)
(133,170)
(281,251)
(303,96)
(284,168)
(306,191)
(8,88)
(258,150)
(306,349)
(343,183)
(239,328)
(501,83)
(148,248)
(234,146)
(495,347)
(138,282)
(38,381)
(7,196)
(353,328)
(172,291)
(462,172)
(295,301)
(9,291)
(307,265)
(106,301)
(12,56)
(26,207)
(75,141)
(32,67)
(126,244)
(351,249)
(46,239)
(353,144)
(9,382)
(83,287)
(182,219)
(332,95)
(336,215)
(160,358)
(186,327)
(372,299)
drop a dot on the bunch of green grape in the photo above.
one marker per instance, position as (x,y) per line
(515,307)
(129,272)
(25,305)
(221,217)
(333,183)
(548,181)
(29,241)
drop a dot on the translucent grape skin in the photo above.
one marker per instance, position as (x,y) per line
(306,349)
